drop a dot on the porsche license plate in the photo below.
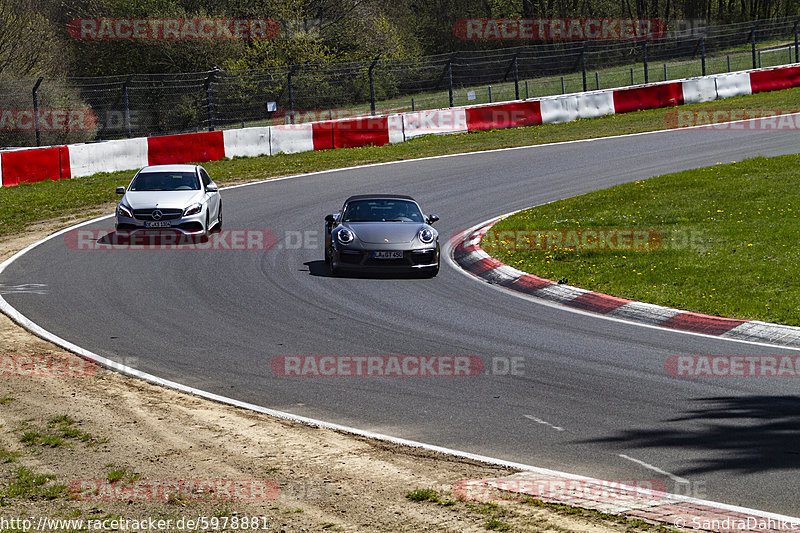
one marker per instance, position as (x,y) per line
(388,254)
(160,224)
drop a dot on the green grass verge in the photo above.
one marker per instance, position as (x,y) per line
(59,432)
(7,456)
(729,240)
(423,495)
(26,204)
(120,473)
(26,483)
(513,517)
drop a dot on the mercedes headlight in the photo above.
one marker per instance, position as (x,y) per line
(124,211)
(192,210)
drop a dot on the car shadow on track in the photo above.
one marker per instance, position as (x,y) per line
(151,240)
(320,269)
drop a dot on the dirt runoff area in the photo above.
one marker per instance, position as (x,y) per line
(92,450)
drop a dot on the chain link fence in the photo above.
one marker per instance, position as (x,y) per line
(50,111)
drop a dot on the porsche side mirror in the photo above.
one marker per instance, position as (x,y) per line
(120,190)
(432,218)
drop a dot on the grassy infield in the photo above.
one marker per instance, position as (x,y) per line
(728,240)
(740,219)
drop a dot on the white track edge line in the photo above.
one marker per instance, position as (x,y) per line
(131,372)
(673,477)
(34,328)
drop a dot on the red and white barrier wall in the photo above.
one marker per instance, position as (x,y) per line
(504,115)
(247,142)
(434,122)
(734,84)
(168,149)
(111,156)
(34,165)
(648,97)
(72,161)
(696,90)
(291,138)
(774,79)
(569,107)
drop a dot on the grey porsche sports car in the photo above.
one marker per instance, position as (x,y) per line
(386,232)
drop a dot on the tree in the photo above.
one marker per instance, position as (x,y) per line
(28,46)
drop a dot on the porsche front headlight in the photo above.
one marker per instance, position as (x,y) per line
(345,236)
(426,235)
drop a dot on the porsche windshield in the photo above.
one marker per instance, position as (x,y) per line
(165,181)
(382,210)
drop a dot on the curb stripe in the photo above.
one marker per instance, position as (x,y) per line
(711,325)
(645,313)
(560,293)
(528,284)
(755,330)
(468,255)
(485,265)
(597,302)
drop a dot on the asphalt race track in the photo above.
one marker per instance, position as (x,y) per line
(591,389)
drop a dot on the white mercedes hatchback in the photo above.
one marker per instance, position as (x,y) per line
(163,198)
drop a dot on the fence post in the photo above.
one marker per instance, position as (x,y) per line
(703,54)
(450,82)
(665,72)
(450,77)
(490,94)
(632,82)
(753,41)
(516,77)
(514,65)
(796,49)
(291,92)
(372,87)
(36,111)
(210,99)
(644,59)
(583,65)
(597,80)
(127,106)
(563,88)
